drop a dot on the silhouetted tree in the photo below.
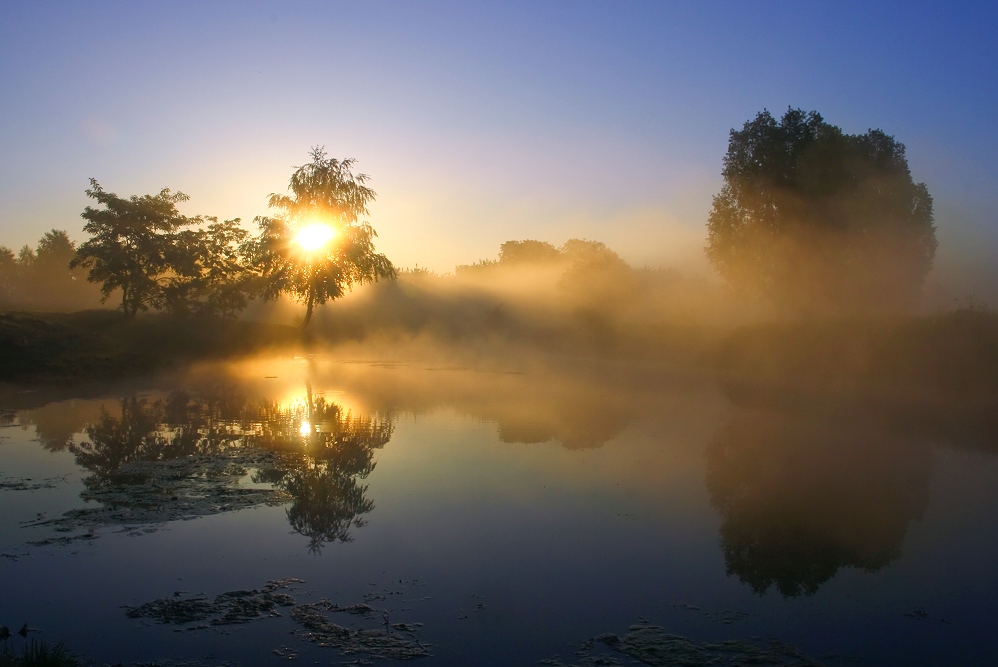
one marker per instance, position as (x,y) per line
(49,280)
(528,252)
(324,191)
(817,219)
(130,243)
(8,274)
(208,275)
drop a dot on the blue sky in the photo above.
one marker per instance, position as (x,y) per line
(483,122)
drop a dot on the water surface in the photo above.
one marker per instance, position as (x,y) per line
(486,513)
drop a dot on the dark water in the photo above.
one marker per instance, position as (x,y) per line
(488,514)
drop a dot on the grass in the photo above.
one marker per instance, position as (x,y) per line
(956,353)
(38,654)
(97,344)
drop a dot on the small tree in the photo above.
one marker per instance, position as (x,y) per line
(316,249)
(129,248)
(817,219)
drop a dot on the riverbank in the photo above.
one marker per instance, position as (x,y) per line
(48,348)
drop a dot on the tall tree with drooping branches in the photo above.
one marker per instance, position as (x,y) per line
(316,248)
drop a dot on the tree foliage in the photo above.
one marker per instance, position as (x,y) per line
(528,252)
(325,190)
(160,258)
(129,248)
(208,274)
(820,220)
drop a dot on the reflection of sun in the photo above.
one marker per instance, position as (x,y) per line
(314,236)
(305,429)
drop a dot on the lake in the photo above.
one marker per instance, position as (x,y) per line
(352,508)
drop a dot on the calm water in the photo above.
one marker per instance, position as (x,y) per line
(485,514)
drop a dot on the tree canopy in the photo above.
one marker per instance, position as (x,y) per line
(159,258)
(326,198)
(129,244)
(819,220)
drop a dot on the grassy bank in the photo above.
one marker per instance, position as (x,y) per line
(955,353)
(100,344)
(931,377)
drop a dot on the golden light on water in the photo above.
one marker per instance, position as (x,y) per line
(305,429)
(315,236)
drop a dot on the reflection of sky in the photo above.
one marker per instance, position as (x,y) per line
(558,544)
(479,122)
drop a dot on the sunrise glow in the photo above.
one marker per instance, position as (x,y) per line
(315,236)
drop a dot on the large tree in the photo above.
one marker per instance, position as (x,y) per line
(316,248)
(130,244)
(819,220)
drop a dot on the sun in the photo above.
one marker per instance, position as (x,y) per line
(315,236)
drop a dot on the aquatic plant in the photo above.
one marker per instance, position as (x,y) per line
(38,654)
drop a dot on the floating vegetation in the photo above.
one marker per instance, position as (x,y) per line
(394,642)
(383,639)
(229,608)
(652,645)
(184,458)
(151,493)
(29,483)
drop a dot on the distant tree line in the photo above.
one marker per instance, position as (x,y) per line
(39,278)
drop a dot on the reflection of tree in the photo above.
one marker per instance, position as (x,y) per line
(577,421)
(115,441)
(326,496)
(185,456)
(800,499)
(56,423)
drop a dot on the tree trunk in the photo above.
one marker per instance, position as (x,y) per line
(124,301)
(308,310)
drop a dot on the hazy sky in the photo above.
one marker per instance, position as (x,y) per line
(483,122)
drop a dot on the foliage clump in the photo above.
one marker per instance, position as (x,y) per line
(818,220)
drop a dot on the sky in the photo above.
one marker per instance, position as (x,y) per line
(483,122)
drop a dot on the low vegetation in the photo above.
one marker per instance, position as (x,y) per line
(100,344)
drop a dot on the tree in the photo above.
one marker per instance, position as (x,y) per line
(129,248)
(316,249)
(50,280)
(8,274)
(208,276)
(820,220)
(528,252)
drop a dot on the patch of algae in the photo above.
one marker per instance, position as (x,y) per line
(395,642)
(224,609)
(153,493)
(29,484)
(386,641)
(652,645)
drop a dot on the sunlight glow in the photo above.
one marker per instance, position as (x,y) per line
(305,429)
(315,236)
